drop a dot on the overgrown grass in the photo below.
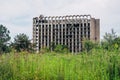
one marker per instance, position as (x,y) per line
(95,65)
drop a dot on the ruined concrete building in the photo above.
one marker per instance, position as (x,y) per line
(65,30)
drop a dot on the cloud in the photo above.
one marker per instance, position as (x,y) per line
(17,14)
(15,30)
(13,8)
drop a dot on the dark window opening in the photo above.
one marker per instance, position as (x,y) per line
(85,24)
(76,25)
(81,24)
(68,25)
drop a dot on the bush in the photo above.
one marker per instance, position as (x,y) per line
(61,49)
(89,45)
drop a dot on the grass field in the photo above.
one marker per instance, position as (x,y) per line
(95,65)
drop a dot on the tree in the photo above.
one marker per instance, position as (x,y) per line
(109,37)
(111,41)
(22,42)
(4,38)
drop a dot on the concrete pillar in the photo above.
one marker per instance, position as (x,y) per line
(72,39)
(92,29)
(51,32)
(97,30)
(41,35)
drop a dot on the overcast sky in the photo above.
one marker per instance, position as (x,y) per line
(17,15)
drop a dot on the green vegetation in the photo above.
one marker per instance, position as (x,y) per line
(95,62)
(4,38)
(97,65)
(111,41)
(21,43)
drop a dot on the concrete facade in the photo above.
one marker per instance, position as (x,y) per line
(65,30)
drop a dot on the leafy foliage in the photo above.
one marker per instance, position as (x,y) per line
(111,41)
(22,42)
(61,49)
(4,38)
(88,45)
(109,37)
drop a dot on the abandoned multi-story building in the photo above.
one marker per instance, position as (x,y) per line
(67,30)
